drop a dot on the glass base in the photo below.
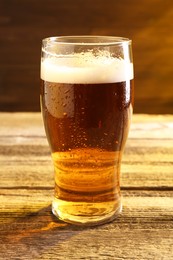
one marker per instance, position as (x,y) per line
(86,214)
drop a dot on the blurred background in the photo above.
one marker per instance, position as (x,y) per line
(23,24)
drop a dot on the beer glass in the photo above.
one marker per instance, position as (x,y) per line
(87,103)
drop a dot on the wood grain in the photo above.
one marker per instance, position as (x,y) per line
(25,23)
(28,230)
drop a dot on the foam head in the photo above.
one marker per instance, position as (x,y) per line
(85,69)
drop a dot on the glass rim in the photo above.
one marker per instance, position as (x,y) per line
(86,40)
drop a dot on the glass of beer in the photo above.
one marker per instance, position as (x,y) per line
(87,103)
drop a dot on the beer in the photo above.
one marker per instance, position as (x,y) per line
(86,108)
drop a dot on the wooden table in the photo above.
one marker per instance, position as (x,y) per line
(30,231)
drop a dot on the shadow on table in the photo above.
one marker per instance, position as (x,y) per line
(36,233)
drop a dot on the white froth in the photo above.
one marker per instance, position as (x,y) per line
(85,70)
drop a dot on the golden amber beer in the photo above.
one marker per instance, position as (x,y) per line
(86,101)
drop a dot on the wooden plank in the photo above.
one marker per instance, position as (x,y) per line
(51,243)
(54,241)
(41,174)
(140,212)
(38,170)
(143,126)
(25,155)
